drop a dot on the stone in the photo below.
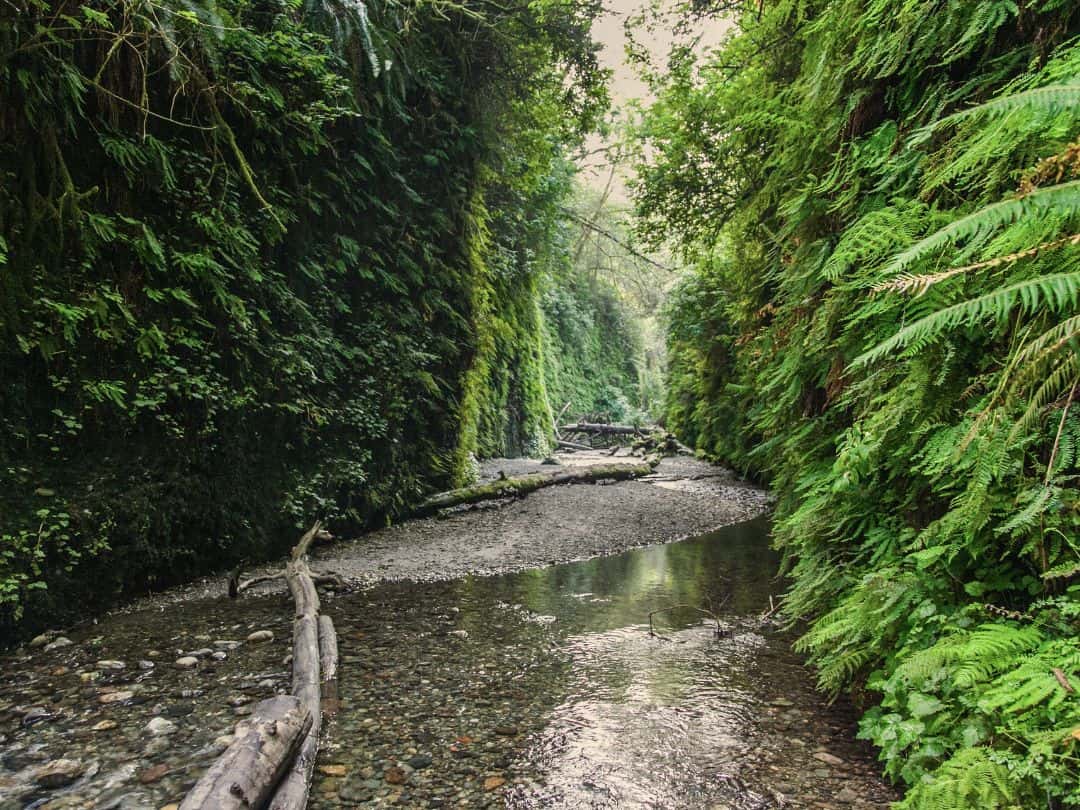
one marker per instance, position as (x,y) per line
(159,726)
(460,633)
(420,761)
(219,655)
(115,697)
(41,640)
(506,731)
(846,795)
(110,664)
(239,700)
(104,725)
(58,644)
(261,635)
(494,783)
(187,662)
(153,773)
(58,773)
(394,776)
(179,709)
(35,714)
(146,665)
(333,770)
(203,652)
(226,644)
(827,758)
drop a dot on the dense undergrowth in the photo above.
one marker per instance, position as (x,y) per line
(879,201)
(262,260)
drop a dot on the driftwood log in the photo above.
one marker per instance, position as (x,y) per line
(565,445)
(245,775)
(611,430)
(516,487)
(256,773)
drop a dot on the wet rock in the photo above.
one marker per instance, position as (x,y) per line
(35,714)
(219,655)
(846,795)
(506,731)
(159,726)
(58,773)
(181,709)
(261,635)
(115,697)
(493,783)
(333,770)
(104,725)
(146,665)
(153,773)
(239,700)
(203,652)
(226,644)
(460,633)
(420,761)
(110,664)
(187,662)
(41,640)
(827,758)
(58,644)
(395,776)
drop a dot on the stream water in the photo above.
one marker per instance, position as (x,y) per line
(542,688)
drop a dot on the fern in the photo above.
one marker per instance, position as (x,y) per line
(971,779)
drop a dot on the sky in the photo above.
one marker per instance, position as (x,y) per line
(625,85)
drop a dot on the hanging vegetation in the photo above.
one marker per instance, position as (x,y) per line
(880,204)
(262,260)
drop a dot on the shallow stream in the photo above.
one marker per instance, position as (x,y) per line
(540,688)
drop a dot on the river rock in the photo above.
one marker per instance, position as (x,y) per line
(827,758)
(104,725)
(187,662)
(41,640)
(153,773)
(35,714)
(219,655)
(420,761)
(159,726)
(110,664)
(395,776)
(145,665)
(58,773)
(226,644)
(202,652)
(261,635)
(115,697)
(58,644)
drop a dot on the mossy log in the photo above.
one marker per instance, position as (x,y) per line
(523,485)
(246,774)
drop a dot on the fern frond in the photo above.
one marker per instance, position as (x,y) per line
(1057,291)
(919,284)
(1063,198)
(1050,99)
(967,780)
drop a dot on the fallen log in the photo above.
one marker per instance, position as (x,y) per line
(573,445)
(292,793)
(280,774)
(328,663)
(523,485)
(592,427)
(245,775)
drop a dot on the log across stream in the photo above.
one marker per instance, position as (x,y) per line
(540,686)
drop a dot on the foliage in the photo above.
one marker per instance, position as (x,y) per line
(243,276)
(879,204)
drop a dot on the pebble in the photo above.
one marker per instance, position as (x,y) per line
(395,776)
(35,714)
(153,773)
(219,655)
(226,644)
(40,641)
(58,644)
(159,726)
(827,758)
(261,635)
(187,662)
(333,770)
(420,761)
(146,665)
(110,664)
(494,783)
(115,697)
(104,725)
(460,633)
(58,773)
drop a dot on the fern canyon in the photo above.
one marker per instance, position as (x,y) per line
(641,404)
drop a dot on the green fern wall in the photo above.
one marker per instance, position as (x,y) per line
(881,320)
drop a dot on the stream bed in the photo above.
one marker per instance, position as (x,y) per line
(514,686)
